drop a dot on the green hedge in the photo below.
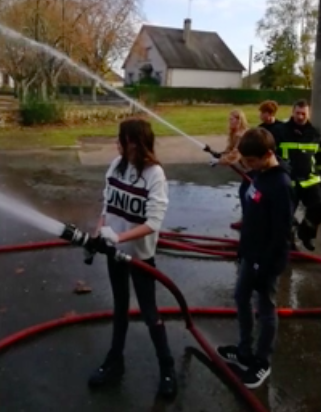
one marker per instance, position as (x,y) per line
(219,96)
(76,90)
(156,94)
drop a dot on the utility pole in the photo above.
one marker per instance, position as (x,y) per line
(250,66)
(316,83)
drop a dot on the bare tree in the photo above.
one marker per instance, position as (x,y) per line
(94,32)
(108,33)
(15,58)
(64,34)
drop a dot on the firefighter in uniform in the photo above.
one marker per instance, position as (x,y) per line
(318,161)
(299,143)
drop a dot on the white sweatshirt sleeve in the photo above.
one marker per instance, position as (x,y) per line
(157,201)
(109,172)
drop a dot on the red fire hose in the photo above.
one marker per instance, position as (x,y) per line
(247,396)
(251,400)
(210,249)
(207,249)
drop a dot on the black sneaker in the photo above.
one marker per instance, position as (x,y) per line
(230,354)
(111,371)
(168,383)
(256,374)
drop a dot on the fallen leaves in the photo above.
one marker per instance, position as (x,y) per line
(81,288)
(70,314)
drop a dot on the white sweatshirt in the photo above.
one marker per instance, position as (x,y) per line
(129,203)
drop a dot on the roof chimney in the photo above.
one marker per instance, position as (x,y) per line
(187,30)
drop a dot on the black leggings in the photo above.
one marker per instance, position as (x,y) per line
(145,289)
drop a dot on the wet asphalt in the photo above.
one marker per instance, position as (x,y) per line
(49,373)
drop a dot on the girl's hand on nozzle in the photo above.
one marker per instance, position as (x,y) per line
(107,233)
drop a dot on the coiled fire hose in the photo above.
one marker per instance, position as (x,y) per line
(73,236)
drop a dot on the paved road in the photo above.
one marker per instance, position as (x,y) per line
(49,373)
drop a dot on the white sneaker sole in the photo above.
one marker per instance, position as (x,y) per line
(260,382)
(233,362)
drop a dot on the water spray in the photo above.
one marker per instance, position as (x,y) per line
(14,35)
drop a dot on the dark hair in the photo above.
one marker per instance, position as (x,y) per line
(269,106)
(302,103)
(138,132)
(256,142)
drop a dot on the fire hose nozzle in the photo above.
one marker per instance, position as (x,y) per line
(78,238)
(91,245)
(75,236)
(208,149)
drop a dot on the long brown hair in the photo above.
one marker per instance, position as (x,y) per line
(138,133)
(235,135)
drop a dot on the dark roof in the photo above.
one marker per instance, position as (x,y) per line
(206,50)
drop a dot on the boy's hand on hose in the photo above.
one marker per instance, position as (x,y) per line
(107,233)
(213,162)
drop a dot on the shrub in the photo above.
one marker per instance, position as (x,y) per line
(35,112)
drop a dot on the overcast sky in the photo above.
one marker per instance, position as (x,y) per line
(233,20)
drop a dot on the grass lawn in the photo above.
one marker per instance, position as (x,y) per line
(193,120)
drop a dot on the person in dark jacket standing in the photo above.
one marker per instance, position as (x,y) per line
(268,110)
(263,252)
(299,144)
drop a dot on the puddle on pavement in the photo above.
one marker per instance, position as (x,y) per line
(48,280)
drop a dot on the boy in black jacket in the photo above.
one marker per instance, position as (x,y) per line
(268,110)
(264,251)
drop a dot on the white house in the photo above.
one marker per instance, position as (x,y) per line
(183,58)
(5,80)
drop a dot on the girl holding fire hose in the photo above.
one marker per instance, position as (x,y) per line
(237,127)
(135,202)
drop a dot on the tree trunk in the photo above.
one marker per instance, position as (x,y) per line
(44,91)
(94,91)
(24,90)
(51,87)
(316,83)
(17,85)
